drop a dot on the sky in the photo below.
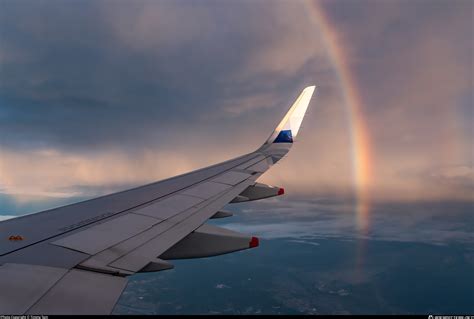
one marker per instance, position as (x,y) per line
(97,96)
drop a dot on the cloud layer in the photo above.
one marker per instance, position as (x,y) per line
(309,220)
(95,95)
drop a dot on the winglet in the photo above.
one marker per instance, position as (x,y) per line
(289,126)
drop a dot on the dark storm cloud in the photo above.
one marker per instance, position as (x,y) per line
(78,74)
(110,93)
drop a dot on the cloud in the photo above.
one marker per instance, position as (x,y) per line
(415,79)
(83,174)
(455,172)
(120,93)
(305,242)
(133,71)
(309,220)
(221,286)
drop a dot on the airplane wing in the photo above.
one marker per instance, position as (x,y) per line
(75,259)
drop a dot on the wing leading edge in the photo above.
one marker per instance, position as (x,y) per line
(76,258)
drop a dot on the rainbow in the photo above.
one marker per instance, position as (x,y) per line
(359,134)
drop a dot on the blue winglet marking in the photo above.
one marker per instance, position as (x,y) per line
(284,137)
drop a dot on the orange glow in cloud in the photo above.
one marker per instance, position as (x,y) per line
(359,134)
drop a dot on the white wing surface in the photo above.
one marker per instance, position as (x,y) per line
(75,259)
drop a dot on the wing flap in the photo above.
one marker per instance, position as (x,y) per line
(23,285)
(81,292)
(102,260)
(231,178)
(206,190)
(104,235)
(261,166)
(251,162)
(169,206)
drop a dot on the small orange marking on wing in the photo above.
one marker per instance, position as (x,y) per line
(15,237)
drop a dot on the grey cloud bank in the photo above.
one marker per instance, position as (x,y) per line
(309,220)
(98,94)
